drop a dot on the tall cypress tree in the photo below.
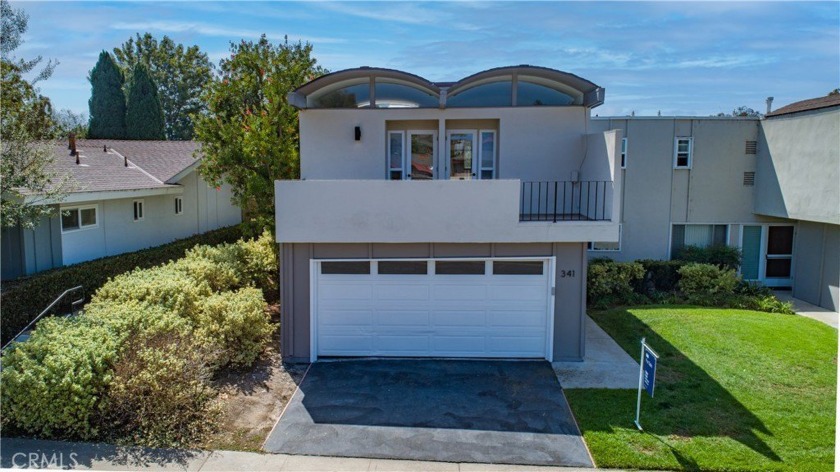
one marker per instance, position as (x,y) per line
(144,115)
(107,100)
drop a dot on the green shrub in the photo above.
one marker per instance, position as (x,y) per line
(52,383)
(132,317)
(167,286)
(753,289)
(664,275)
(218,275)
(23,299)
(254,261)
(236,322)
(160,394)
(700,280)
(610,283)
(721,255)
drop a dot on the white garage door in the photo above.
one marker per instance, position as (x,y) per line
(433,308)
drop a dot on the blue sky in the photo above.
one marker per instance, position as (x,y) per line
(677,58)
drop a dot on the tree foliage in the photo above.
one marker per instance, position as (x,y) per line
(66,121)
(143,116)
(107,99)
(27,177)
(180,74)
(249,134)
(742,111)
(834,92)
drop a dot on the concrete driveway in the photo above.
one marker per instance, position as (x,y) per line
(504,412)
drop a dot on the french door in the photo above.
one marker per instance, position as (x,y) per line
(411,155)
(471,154)
(768,254)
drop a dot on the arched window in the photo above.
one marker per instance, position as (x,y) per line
(349,94)
(490,94)
(391,93)
(530,92)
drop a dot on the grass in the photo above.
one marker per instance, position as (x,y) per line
(735,390)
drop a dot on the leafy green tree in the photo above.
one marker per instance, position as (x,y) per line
(28,182)
(143,116)
(66,121)
(107,99)
(834,92)
(249,134)
(180,74)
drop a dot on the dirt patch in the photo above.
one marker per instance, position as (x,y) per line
(253,399)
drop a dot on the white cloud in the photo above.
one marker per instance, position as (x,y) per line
(211,30)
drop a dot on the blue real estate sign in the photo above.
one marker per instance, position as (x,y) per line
(648,370)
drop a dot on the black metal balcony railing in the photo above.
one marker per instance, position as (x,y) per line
(566,201)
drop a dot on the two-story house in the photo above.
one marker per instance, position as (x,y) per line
(444,219)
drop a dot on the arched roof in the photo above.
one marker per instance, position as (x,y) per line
(587,93)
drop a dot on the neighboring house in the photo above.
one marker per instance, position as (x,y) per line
(444,219)
(126,196)
(768,186)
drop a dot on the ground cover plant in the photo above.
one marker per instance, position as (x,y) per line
(736,390)
(23,299)
(137,366)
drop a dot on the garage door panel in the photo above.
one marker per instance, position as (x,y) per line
(458,318)
(432,315)
(345,318)
(518,292)
(403,292)
(519,318)
(402,318)
(345,291)
(401,344)
(476,291)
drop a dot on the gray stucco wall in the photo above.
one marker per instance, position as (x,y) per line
(798,173)
(656,196)
(817,264)
(570,293)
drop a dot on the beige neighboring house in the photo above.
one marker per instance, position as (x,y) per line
(769,186)
(126,196)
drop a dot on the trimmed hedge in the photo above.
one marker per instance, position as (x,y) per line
(23,299)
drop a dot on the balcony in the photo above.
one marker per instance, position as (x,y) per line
(346,211)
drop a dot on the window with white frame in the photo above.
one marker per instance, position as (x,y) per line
(683,148)
(179,205)
(623,153)
(606,246)
(73,219)
(138,210)
(697,235)
(396,155)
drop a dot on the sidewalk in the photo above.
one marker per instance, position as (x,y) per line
(29,453)
(803,308)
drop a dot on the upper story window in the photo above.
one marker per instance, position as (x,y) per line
(529,92)
(393,94)
(683,148)
(491,94)
(623,153)
(350,94)
(138,210)
(73,219)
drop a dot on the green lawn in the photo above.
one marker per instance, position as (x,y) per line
(735,390)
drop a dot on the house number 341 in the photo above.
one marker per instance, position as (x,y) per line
(566,273)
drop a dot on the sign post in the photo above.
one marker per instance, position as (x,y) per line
(647,377)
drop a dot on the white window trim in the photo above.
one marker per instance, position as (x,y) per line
(591,244)
(79,209)
(179,205)
(449,133)
(142,209)
(623,153)
(690,151)
(480,154)
(407,151)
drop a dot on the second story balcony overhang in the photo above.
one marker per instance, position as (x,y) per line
(344,211)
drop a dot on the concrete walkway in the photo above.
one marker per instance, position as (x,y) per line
(605,364)
(803,308)
(53,455)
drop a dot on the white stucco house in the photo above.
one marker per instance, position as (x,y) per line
(126,196)
(444,219)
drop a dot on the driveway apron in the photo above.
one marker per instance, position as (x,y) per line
(506,412)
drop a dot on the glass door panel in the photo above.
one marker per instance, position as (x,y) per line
(779,252)
(395,155)
(422,145)
(487,155)
(751,252)
(461,155)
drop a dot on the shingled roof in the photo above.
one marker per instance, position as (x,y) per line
(807,105)
(101,168)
